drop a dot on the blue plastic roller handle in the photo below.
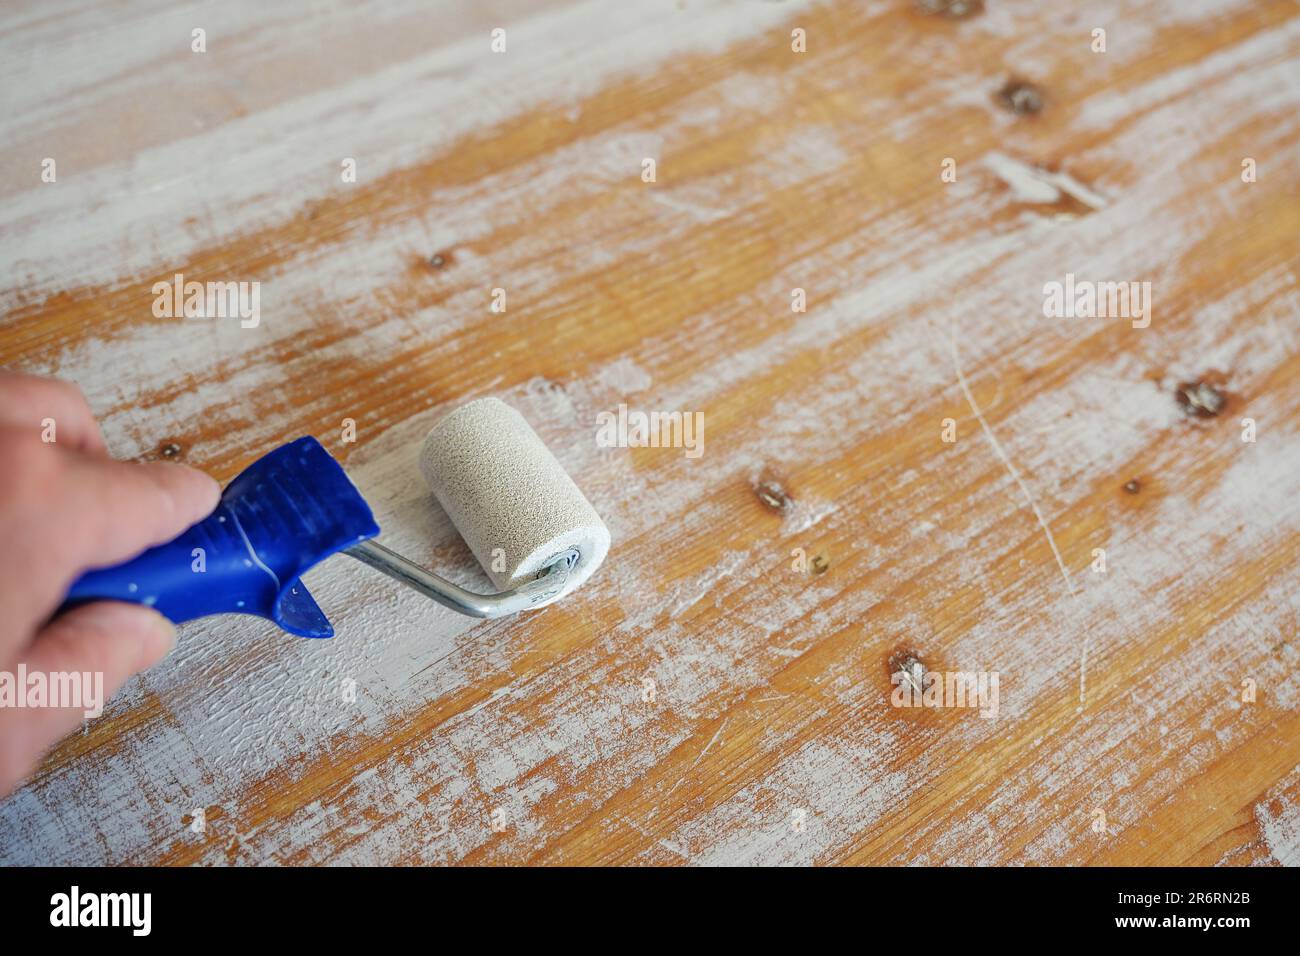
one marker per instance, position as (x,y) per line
(283,514)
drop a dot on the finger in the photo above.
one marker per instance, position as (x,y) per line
(98,646)
(122,508)
(33,402)
(68,512)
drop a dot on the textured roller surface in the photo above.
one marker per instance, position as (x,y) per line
(509,498)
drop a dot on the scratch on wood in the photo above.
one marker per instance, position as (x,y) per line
(697,760)
(1024,489)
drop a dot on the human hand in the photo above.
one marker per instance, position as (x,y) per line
(65,507)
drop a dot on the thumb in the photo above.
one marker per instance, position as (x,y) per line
(102,644)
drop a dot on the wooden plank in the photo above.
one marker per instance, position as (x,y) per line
(770,737)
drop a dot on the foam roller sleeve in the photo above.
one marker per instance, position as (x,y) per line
(508,496)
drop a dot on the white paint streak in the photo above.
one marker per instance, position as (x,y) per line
(1278,817)
(1032,184)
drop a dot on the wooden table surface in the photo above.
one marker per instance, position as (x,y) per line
(703,699)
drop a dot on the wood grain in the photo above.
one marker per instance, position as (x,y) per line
(770,737)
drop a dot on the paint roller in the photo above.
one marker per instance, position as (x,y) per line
(526,522)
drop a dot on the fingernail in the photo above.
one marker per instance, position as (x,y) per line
(168,630)
(156,648)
